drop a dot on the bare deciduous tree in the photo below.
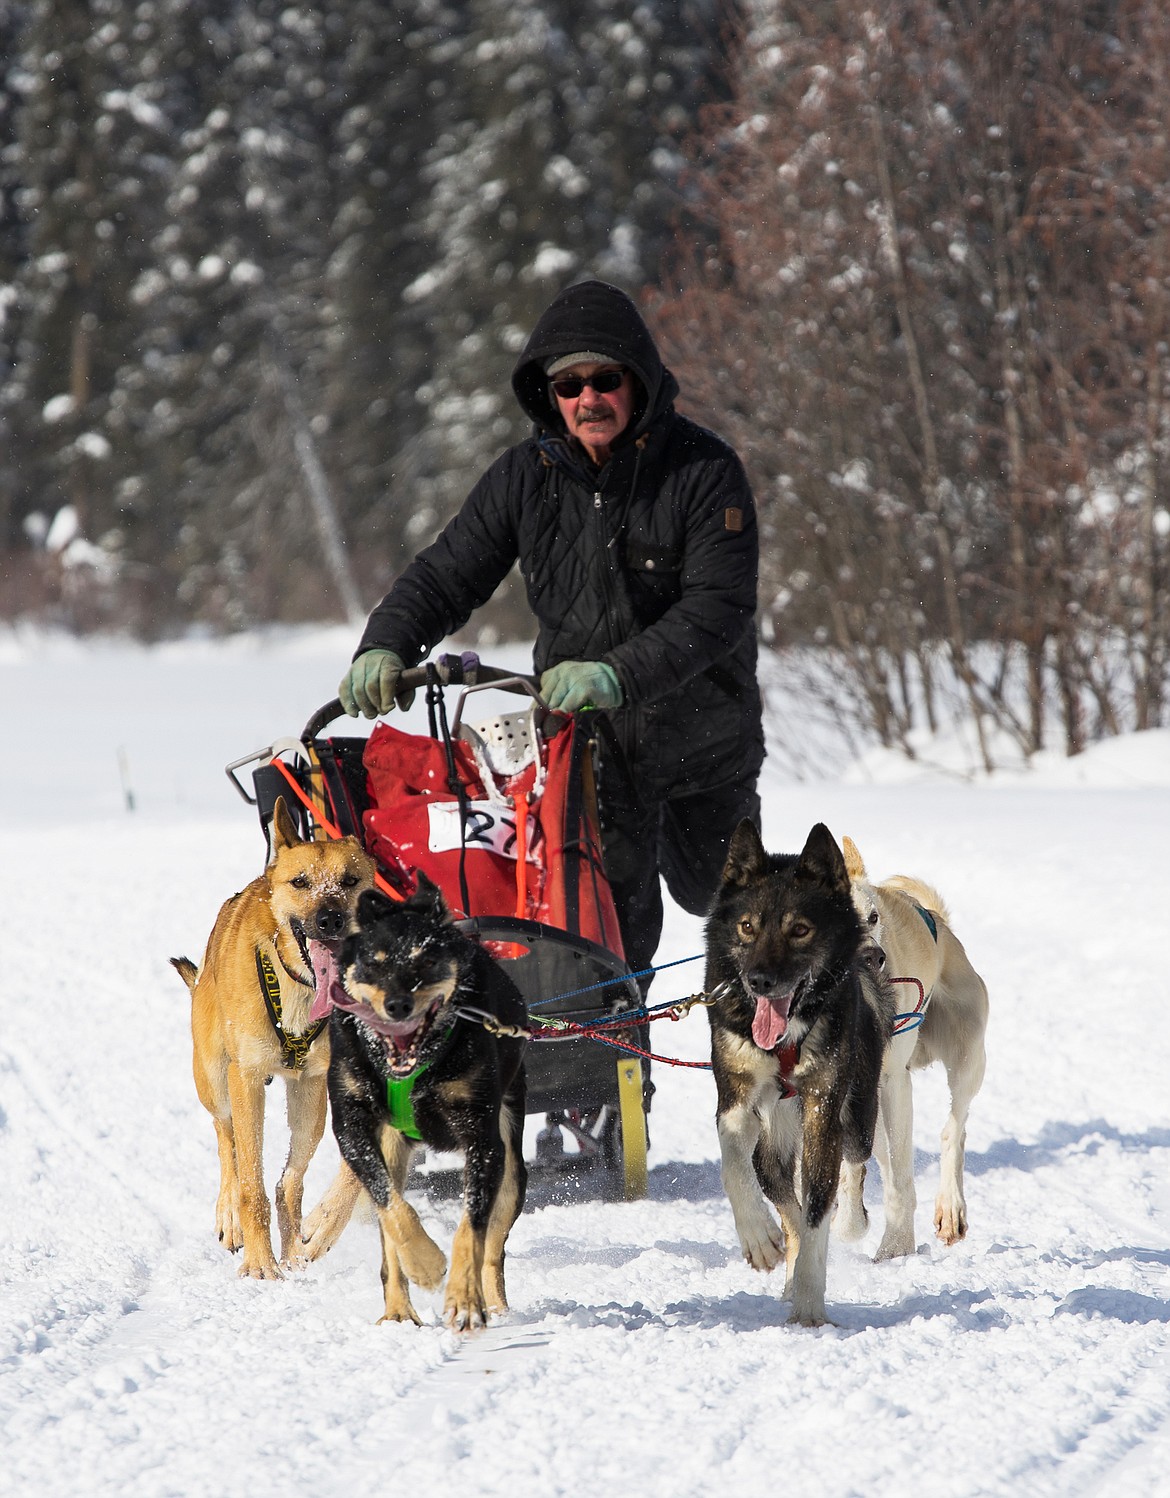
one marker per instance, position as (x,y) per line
(933,316)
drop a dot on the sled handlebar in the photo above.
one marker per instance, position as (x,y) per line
(464,670)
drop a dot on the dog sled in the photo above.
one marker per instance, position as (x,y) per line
(502,815)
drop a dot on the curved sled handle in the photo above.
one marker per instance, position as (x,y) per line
(269,752)
(451,670)
(321,718)
(503,684)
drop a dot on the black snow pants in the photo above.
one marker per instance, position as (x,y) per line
(683,839)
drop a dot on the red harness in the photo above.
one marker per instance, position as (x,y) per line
(787,1055)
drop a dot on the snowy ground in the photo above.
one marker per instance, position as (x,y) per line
(641,1355)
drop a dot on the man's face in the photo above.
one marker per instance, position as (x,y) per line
(595,418)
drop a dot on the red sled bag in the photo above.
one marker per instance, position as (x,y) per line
(501,818)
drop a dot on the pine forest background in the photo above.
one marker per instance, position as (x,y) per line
(264,270)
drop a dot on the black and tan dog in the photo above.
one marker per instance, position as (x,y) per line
(407,1068)
(251,1020)
(797,1039)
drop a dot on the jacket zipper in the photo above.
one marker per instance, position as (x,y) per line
(605,560)
(624,727)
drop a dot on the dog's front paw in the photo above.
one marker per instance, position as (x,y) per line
(465,1312)
(423,1262)
(260,1269)
(227,1221)
(850,1220)
(897,1243)
(810,1312)
(327,1220)
(492,1282)
(950,1220)
(320,1232)
(318,1235)
(400,1313)
(762,1241)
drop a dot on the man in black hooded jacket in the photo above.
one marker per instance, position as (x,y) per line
(636,536)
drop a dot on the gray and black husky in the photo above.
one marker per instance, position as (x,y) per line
(797,1040)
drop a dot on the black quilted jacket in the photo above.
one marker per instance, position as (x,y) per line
(649,563)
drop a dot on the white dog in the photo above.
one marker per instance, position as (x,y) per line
(909,922)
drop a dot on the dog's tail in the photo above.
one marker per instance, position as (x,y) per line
(921,892)
(186,970)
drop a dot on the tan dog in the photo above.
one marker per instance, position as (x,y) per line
(909,922)
(250,1021)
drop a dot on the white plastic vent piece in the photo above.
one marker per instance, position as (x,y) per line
(503,747)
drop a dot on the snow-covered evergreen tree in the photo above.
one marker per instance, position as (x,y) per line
(562,161)
(79,162)
(272,263)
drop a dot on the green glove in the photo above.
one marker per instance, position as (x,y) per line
(577,684)
(370,686)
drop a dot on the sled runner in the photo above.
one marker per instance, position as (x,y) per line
(502,816)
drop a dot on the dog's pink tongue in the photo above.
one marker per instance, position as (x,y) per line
(328,980)
(770,1022)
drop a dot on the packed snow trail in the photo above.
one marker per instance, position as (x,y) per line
(640,1350)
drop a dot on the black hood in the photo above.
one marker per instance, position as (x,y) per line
(595,316)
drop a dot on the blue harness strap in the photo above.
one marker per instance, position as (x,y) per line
(912,1019)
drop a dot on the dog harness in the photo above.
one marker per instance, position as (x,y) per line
(294,1049)
(914,1017)
(787,1054)
(400,1101)
(400,1094)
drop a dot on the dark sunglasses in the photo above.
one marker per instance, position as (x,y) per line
(605,380)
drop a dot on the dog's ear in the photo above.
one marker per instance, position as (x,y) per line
(746,857)
(822,860)
(854,864)
(428,897)
(283,833)
(373,906)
